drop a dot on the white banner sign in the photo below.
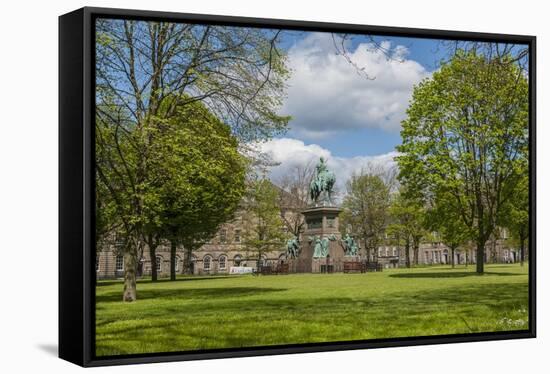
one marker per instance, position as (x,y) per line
(240,270)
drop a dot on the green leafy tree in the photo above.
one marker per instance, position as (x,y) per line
(407,224)
(515,217)
(117,152)
(262,222)
(466,136)
(366,209)
(450,228)
(199,177)
(148,71)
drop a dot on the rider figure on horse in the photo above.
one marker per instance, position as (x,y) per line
(323,182)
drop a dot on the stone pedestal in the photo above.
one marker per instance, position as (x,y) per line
(322,222)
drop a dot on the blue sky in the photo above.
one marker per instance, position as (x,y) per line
(357,139)
(337,111)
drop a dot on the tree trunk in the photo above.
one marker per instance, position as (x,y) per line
(130,267)
(480,256)
(367,247)
(187,260)
(521,251)
(173,260)
(153,255)
(453,257)
(407,254)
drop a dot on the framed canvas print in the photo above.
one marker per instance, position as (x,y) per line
(236,186)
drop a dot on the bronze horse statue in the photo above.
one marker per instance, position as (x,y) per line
(323,182)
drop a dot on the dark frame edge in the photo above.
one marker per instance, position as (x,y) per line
(74,277)
(533,186)
(307,25)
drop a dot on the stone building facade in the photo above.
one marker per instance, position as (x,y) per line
(499,250)
(226,249)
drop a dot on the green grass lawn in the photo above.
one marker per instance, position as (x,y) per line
(244,311)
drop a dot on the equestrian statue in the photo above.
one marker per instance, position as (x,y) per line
(322,184)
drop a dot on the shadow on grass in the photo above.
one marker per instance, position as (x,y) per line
(103,283)
(469,308)
(191,293)
(457,274)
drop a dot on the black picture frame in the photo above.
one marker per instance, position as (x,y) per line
(76,186)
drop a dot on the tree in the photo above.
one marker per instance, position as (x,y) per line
(153,240)
(116,156)
(509,53)
(366,209)
(238,73)
(466,136)
(293,197)
(106,222)
(408,223)
(148,71)
(515,216)
(262,223)
(199,177)
(450,228)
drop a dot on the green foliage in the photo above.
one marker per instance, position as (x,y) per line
(408,223)
(366,209)
(196,175)
(444,219)
(118,200)
(466,137)
(166,165)
(515,216)
(246,311)
(262,222)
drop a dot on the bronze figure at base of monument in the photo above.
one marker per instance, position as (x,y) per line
(321,249)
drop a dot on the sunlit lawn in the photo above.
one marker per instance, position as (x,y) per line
(243,311)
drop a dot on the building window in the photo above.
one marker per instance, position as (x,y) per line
(206,263)
(119,263)
(159,263)
(394,251)
(96,263)
(237,236)
(222,262)
(177,264)
(237,260)
(223,236)
(119,240)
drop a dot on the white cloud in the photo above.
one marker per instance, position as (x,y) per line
(293,152)
(326,94)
